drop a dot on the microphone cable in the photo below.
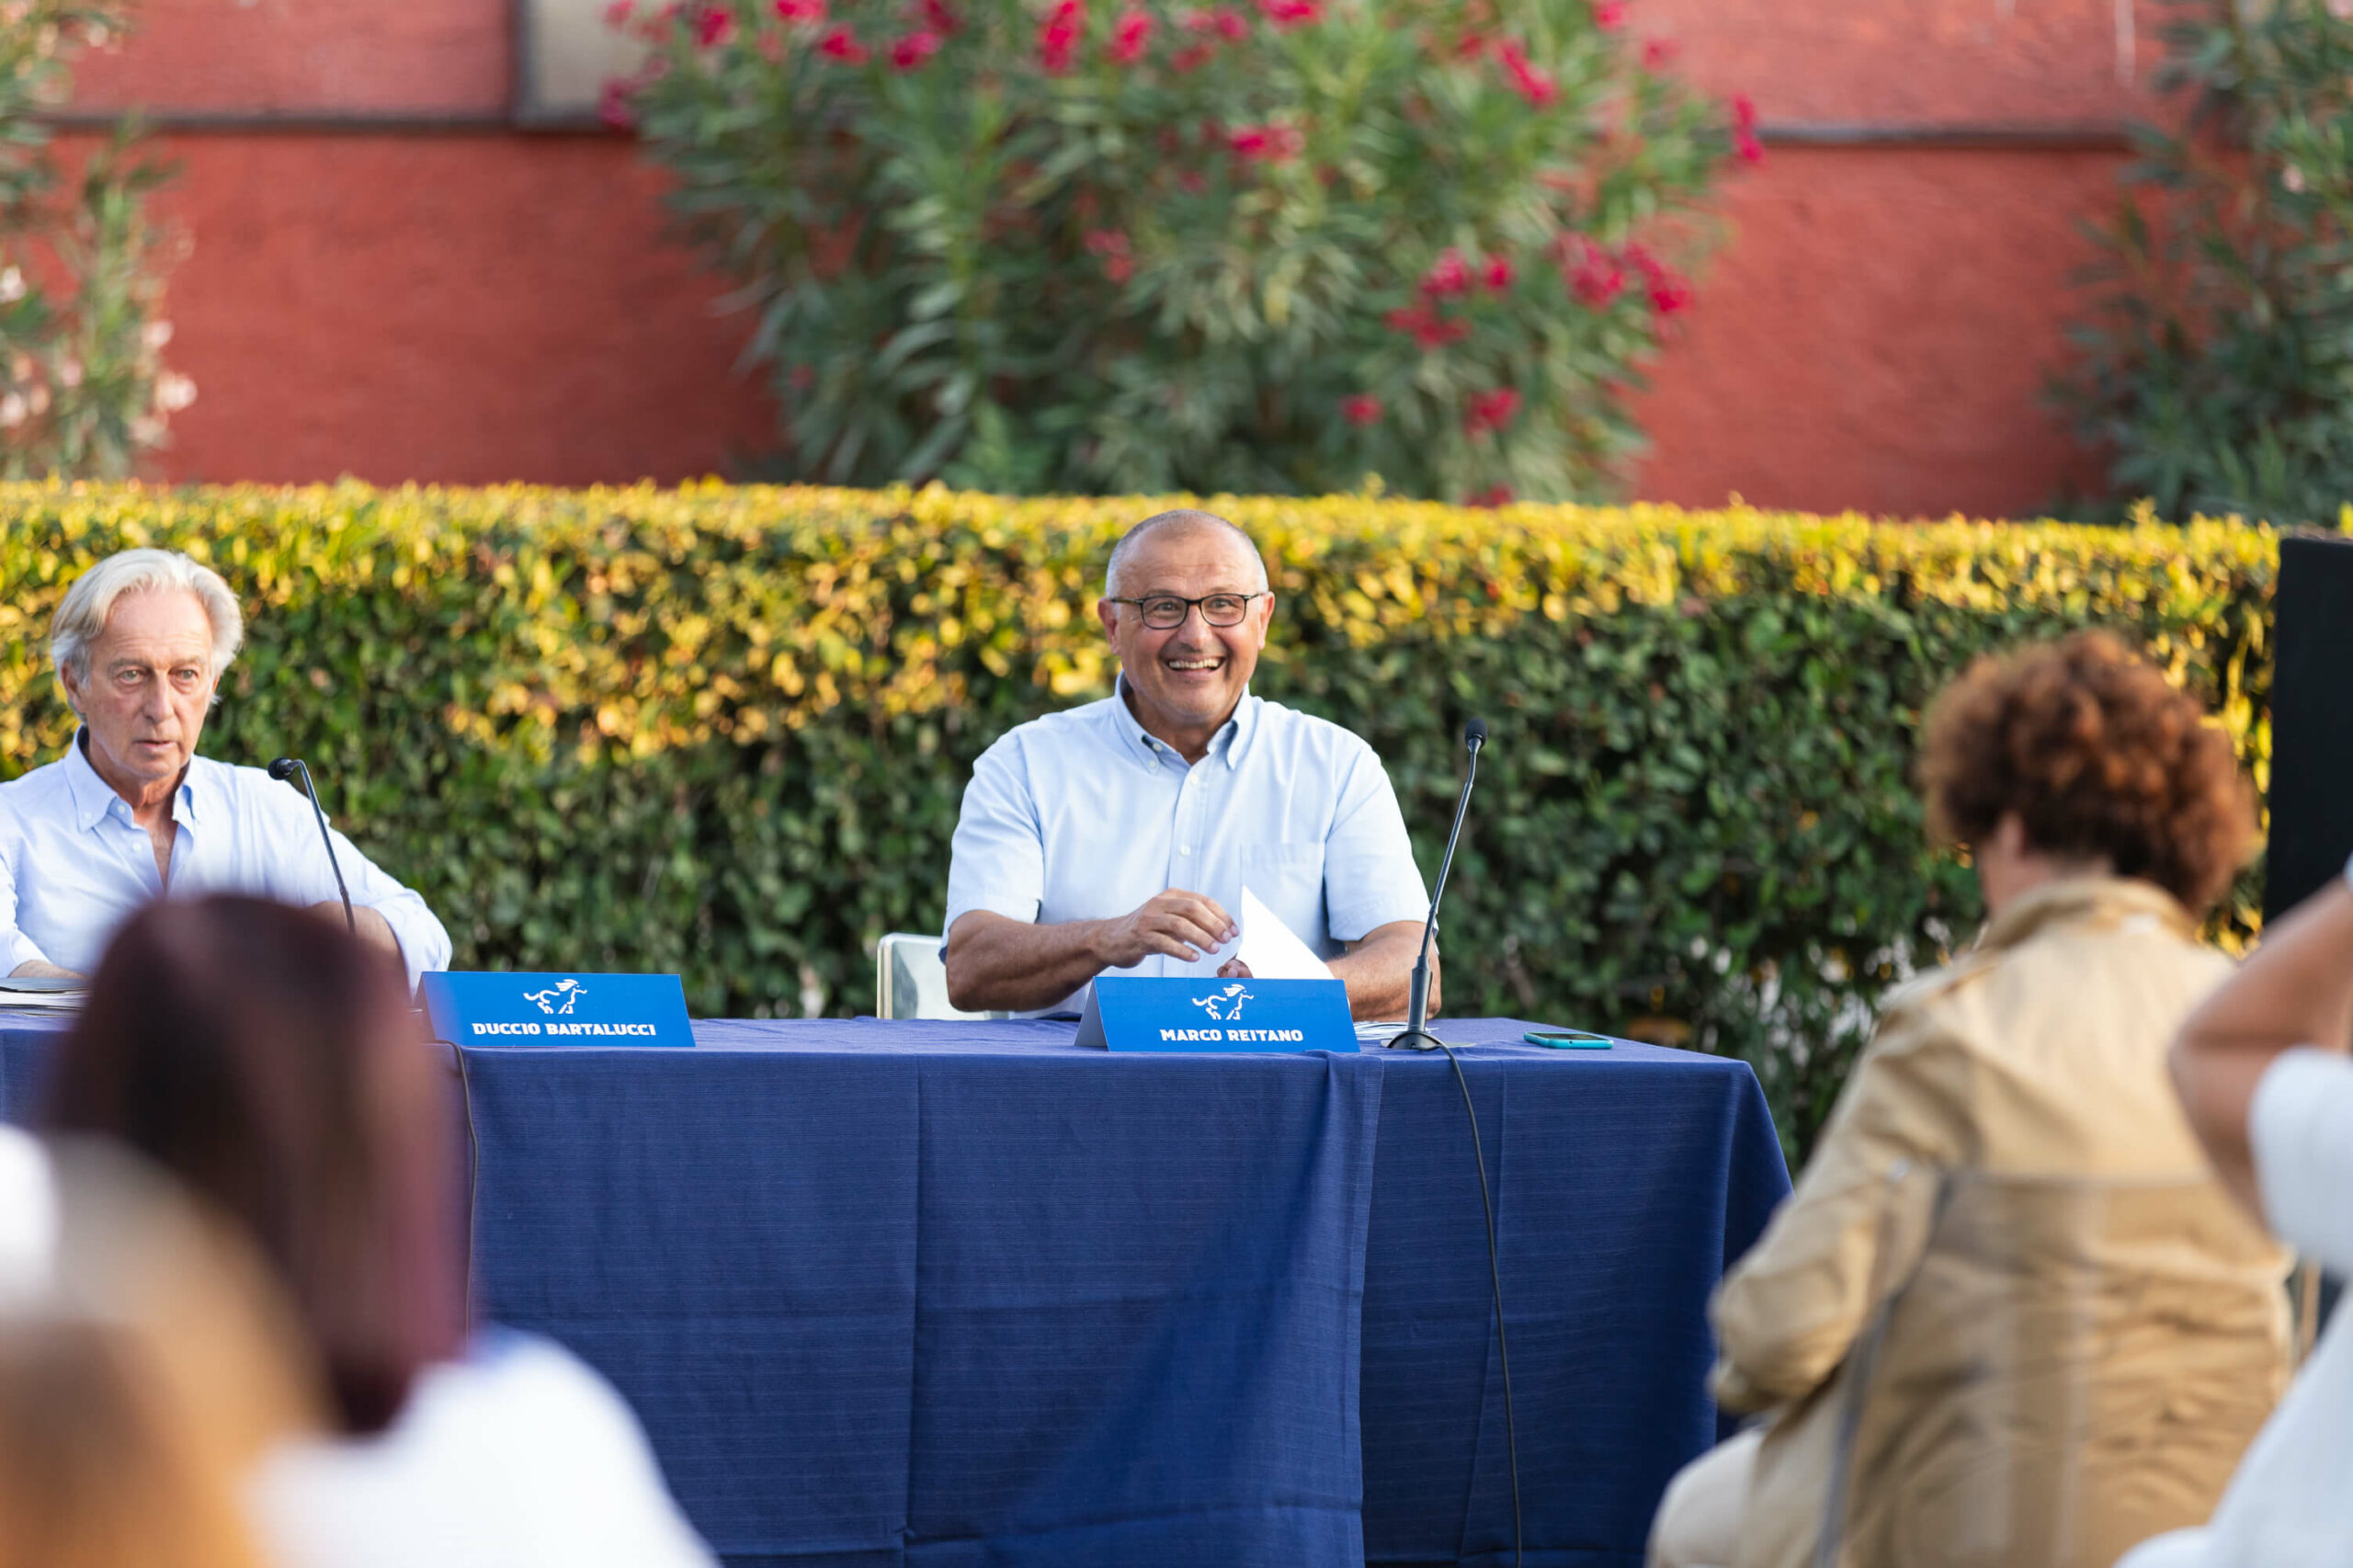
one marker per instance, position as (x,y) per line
(473,1171)
(1495,1277)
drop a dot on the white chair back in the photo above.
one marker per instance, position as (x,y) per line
(911,981)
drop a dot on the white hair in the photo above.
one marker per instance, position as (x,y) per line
(82,617)
(1183,517)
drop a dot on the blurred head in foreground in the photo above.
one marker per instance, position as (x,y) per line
(101,1467)
(147,1362)
(268,1059)
(2079,757)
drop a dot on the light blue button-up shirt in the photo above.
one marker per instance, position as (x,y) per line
(1081,816)
(74,865)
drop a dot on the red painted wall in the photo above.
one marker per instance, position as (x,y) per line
(459,309)
(1873,332)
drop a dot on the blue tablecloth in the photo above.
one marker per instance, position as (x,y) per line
(948,1294)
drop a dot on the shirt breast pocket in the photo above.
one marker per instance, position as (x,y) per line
(1289,880)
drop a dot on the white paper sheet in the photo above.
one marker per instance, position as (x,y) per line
(1273,950)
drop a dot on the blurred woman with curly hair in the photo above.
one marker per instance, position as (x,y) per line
(2008,1315)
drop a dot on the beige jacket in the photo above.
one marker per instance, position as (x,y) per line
(2095,1334)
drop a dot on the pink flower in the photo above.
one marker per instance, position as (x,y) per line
(1428,328)
(1493,495)
(1129,36)
(1361,410)
(1267,144)
(1491,410)
(1192,182)
(1657,53)
(842,44)
(616,15)
(1285,15)
(912,49)
(940,17)
(715,25)
(1668,290)
(1448,274)
(1596,276)
(1193,57)
(1058,37)
(1498,275)
(812,12)
(1224,21)
(613,105)
(1608,14)
(1536,87)
(1111,245)
(1743,130)
(1470,46)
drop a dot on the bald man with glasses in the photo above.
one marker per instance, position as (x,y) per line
(1119,836)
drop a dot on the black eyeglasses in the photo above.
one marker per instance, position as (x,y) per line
(1166,612)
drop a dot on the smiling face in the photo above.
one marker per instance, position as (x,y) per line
(143,695)
(1185,681)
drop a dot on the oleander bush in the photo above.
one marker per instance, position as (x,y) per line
(2216,371)
(83,391)
(724,730)
(1268,246)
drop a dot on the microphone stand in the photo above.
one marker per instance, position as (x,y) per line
(288,767)
(1417,1036)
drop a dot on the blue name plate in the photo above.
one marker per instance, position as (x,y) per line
(481,1007)
(1131,1013)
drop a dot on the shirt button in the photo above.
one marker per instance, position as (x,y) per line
(1188,849)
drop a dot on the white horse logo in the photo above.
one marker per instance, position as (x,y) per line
(1225,1006)
(557,998)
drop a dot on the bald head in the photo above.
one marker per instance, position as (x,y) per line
(1184,520)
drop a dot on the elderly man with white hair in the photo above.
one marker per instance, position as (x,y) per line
(131,813)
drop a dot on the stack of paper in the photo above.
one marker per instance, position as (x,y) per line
(1273,950)
(44,994)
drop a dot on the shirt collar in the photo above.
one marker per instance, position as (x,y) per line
(2076,900)
(94,797)
(1229,745)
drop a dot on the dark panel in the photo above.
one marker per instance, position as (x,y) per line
(2312,719)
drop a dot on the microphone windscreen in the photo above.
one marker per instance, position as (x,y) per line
(1474,733)
(283,769)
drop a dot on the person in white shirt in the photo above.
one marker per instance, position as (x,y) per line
(517,1456)
(1121,835)
(2262,1071)
(131,813)
(271,1065)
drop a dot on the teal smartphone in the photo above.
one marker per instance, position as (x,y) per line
(1567,1039)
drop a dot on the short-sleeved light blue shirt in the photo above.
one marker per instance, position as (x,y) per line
(74,865)
(1082,815)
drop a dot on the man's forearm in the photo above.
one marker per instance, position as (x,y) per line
(375,930)
(998,964)
(1379,971)
(42,969)
(367,925)
(2295,989)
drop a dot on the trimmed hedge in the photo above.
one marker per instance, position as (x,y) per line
(724,730)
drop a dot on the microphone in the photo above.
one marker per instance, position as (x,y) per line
(1417,1036)
(289,767)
